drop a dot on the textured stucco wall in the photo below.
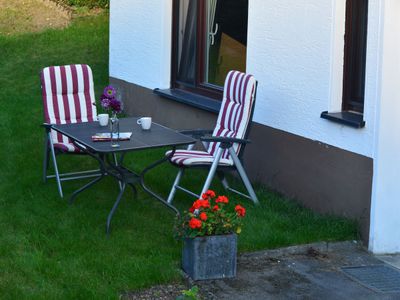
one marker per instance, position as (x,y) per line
(140,41)
(295,50)
(385,221)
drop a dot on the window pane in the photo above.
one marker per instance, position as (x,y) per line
(226,36)
(187,41)
(355,55)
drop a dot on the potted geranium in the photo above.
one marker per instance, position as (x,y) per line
(209,232)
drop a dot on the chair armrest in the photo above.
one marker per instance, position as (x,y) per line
(46,126)
(196,133)
(226,142)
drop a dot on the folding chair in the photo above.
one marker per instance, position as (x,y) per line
(224,148)
(68,97)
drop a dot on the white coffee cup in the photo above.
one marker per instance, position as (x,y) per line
(145,123)
(103,119)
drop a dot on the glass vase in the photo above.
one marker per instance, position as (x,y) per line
(114,130)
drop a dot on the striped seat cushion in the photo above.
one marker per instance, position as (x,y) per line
(68,97)
(233,119)
(193,158)
(236,108)
(67,147)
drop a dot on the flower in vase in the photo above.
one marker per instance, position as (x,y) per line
(115,105)
(109,92)
(105,102)
(109,101)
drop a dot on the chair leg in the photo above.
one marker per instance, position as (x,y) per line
(213,169)
(57,174)
(46,158)
(177,180)
(223,179)
(243,176)
(173,189)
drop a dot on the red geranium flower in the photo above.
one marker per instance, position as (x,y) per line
(210,215)
(195,223)
(222,199)
(196,204)
(209,194)
(240,210)
(200,203)
(203,216)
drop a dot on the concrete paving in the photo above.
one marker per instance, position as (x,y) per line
(393,260)
(300,272)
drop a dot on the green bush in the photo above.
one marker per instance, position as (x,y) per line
(88,3)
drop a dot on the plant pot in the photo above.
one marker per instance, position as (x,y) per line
(210,257)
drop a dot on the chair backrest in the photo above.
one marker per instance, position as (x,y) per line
(236,110)
(68,96)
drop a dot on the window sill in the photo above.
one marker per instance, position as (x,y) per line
(191,99)
(347,118)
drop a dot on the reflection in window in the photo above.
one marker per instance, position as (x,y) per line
(210,39)
(227,39)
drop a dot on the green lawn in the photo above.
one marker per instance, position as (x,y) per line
(49,249)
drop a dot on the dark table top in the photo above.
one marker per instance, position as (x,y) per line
(157,136)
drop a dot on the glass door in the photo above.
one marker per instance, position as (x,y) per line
(226,39)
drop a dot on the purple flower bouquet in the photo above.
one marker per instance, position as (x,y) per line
(109,101)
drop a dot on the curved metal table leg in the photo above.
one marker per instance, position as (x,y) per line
(149,191)
(86,186)
(134,190)
(114,208)
(100,160)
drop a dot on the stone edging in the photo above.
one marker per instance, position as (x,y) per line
(322,247)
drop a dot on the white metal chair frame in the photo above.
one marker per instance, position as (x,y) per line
(203,135)
(50,151)
(49,148)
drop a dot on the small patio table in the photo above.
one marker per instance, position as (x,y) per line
(158,136)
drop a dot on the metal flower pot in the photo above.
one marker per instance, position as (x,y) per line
(210,257)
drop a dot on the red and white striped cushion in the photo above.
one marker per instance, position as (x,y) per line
(67,147)
(233,118)
(193,157)
(236,107)
(68,97)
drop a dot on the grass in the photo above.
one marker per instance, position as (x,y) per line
(49,249)
(87,3)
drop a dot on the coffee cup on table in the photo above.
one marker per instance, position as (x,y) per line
(103,119)
(145,123)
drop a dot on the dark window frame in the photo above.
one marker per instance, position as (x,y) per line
(355,50)
(354,66)
(198,86)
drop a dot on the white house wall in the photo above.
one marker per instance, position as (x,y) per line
(385,205)
(140,41)
(294,50)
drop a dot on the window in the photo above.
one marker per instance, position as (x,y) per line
(355,49)
(209,40)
